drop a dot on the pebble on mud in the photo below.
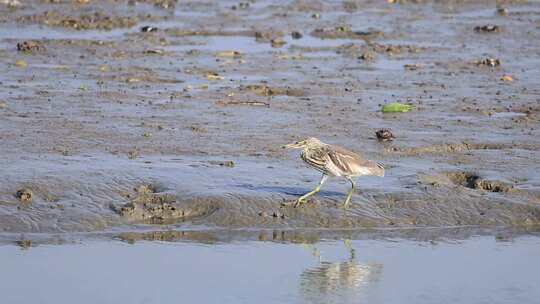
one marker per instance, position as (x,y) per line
(489,28)
(412,67)
(222,163)
(229,54)
(492,62)
(29,46)
(277,42)
(503,11)
(148,29)
(507,78)
(267,36)
(24,195)
(296,35)
(367,56)
(154,52)
(241,5)
(384,135)
(214,76)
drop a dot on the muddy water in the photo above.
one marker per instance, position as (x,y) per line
(482,269)
(108,127)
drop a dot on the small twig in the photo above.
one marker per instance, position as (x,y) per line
(246,103)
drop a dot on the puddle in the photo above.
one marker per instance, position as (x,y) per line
(391,64)
(222,44)
(44,32)
(244,44)
(478,270)
(384,64)
(308,41)
(507,114)
(478,13)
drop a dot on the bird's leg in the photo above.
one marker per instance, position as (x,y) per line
(349,195)
(352,252)
(302,199)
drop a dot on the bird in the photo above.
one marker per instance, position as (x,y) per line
(333,160)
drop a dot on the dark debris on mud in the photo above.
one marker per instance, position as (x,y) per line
(384,135)
(29,46)
(489,28)
(489,61)
(24,195)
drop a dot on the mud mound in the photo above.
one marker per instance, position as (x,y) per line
(97,20)
(455,148)
(148,205)
(474,181)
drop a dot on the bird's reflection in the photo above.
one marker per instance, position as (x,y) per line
(338,282)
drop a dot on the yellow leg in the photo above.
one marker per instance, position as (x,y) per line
(352,252)
(302,199)
(349,195)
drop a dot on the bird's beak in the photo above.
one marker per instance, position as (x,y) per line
(291,146)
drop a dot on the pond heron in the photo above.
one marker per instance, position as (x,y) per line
(333,161)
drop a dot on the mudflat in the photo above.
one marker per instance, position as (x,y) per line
(116,116)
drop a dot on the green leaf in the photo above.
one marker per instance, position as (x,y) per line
(396,107)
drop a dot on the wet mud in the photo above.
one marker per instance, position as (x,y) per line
(165,113)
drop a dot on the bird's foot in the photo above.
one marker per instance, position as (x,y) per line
(295,204)
(346,204)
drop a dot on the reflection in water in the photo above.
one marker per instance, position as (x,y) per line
(339,282)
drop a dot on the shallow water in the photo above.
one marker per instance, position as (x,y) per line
(478,270)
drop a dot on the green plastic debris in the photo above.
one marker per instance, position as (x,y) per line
(396,107)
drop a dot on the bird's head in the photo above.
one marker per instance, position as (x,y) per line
(305,143)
